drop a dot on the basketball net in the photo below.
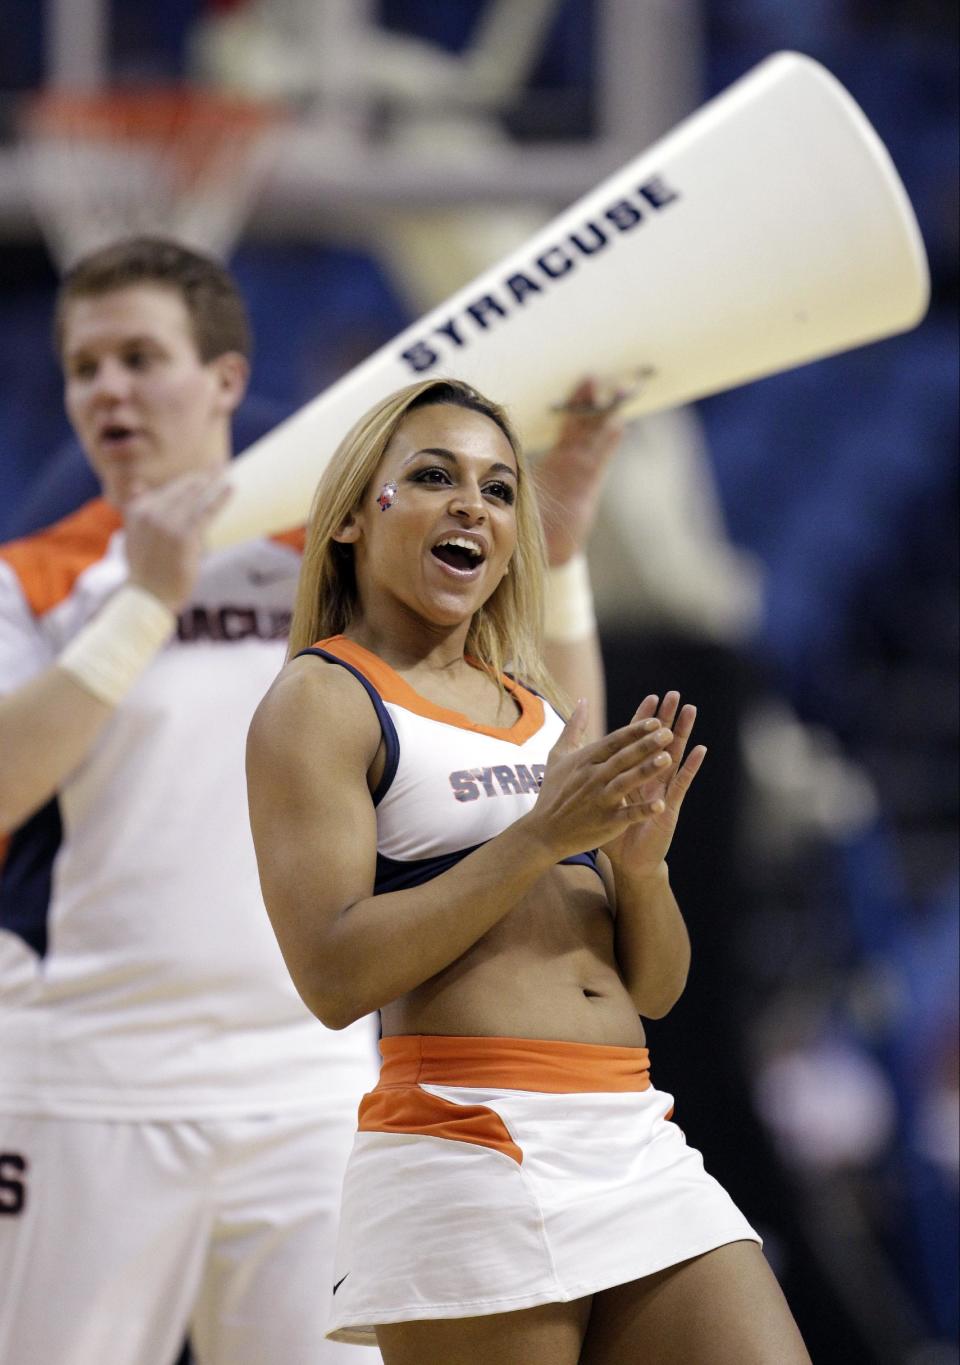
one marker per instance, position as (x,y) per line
(181,162)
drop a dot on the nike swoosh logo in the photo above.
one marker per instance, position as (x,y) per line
(261,578)
(340,1282)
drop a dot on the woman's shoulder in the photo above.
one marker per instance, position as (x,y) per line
(313,697)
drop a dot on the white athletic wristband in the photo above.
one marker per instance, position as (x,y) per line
(568,602)
(109,654)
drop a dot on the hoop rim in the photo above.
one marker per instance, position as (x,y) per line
(144,112)
(173,159)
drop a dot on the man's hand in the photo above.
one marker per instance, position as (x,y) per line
(165,529)
(569,476)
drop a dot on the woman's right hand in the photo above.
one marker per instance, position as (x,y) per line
(585,798)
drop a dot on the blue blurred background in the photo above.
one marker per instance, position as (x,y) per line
(815,1059)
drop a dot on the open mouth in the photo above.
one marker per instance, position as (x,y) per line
(116,433)
(459,553)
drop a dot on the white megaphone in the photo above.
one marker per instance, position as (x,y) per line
(769,229)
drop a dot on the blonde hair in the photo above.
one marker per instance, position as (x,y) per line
(507,630)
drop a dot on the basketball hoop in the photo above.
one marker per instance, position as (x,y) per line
(184,162)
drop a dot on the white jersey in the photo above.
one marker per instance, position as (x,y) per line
(449,784)
(139,974)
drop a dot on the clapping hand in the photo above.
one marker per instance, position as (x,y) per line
(640,850)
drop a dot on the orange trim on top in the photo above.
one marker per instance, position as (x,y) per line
(395,689)
(49,562)
(295,539)
(408,1109)
(512,1064)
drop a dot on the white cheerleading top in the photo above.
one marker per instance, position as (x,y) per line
(448,784)
(139,974)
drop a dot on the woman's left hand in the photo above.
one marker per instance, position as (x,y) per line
(642,848)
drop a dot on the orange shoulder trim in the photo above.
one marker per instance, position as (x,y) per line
(49,562)
(395,689)
(296,538)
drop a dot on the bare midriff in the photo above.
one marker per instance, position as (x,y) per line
(546,970)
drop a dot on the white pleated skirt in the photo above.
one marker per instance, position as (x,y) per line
(495,1174)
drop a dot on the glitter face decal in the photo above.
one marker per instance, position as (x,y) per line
(387,496)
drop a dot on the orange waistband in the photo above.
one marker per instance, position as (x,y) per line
(512,1064)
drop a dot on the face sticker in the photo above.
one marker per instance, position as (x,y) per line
(387,495)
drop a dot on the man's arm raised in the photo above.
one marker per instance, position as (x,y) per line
(569,480)
(49,725)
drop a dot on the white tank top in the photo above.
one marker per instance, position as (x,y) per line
(448,784)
